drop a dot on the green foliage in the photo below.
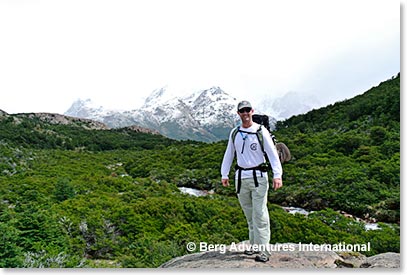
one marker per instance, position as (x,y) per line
(63,190)
(194,165)
(74,197)
(35,133)
(346,156)
(10,251)
(330,227)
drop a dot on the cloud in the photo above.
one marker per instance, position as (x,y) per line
(117,52)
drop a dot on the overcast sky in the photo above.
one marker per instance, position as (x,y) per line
(115,52)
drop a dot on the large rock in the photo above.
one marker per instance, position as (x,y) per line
(291,257)
(384,260)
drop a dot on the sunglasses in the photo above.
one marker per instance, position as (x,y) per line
(245,110)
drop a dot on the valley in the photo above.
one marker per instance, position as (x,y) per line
(77,195)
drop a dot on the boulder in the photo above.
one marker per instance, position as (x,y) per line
(292,257)
(384,260)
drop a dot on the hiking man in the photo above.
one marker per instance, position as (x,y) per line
(250,142)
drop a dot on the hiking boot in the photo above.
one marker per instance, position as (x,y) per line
(261,258)
(250,252)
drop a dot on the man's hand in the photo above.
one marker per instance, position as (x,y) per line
(277,183)
(225,182)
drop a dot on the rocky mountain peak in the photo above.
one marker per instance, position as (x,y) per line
(214,94)
(204,115)
(165,96)
(85,109)
(3,113)
(157,97)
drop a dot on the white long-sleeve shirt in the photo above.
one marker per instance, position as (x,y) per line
(252,155)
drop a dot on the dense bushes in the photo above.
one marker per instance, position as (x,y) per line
(34,133)
(346,156)
(108,220)
(71,197)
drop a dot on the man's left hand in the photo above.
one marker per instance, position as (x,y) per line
(277,183)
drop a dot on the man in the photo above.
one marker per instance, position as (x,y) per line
(251,176)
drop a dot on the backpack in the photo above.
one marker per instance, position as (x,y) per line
(282,149)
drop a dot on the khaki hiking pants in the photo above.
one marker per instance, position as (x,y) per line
(254,204)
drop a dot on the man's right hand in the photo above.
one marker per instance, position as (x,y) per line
(225,182)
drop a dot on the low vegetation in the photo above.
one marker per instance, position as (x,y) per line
(74,197)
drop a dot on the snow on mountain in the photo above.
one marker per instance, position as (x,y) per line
(159,97)
(90,110)
(205,115)
(87,109)
(205,106)
(213,107)
(290,104)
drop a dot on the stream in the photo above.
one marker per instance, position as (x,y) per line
(290,209)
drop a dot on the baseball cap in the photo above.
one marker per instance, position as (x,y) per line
(243,104)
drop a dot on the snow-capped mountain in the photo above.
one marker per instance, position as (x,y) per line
(205,115)
(88,109)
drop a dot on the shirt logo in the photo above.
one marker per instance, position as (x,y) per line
(253,146)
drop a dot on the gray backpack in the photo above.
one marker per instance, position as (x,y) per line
(283,152)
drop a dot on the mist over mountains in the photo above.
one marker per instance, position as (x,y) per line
(288,105)
(204,115)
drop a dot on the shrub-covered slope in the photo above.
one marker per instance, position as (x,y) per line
(76,197)
(346,156)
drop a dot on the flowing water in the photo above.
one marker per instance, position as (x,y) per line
(290,209)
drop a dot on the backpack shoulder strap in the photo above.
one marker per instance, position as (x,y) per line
(260,137)
(234,133)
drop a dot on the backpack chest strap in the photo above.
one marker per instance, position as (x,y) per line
(244,135)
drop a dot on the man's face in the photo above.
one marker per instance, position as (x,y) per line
(245,114)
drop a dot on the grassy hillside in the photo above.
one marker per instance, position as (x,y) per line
(347,155)
(75,197)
